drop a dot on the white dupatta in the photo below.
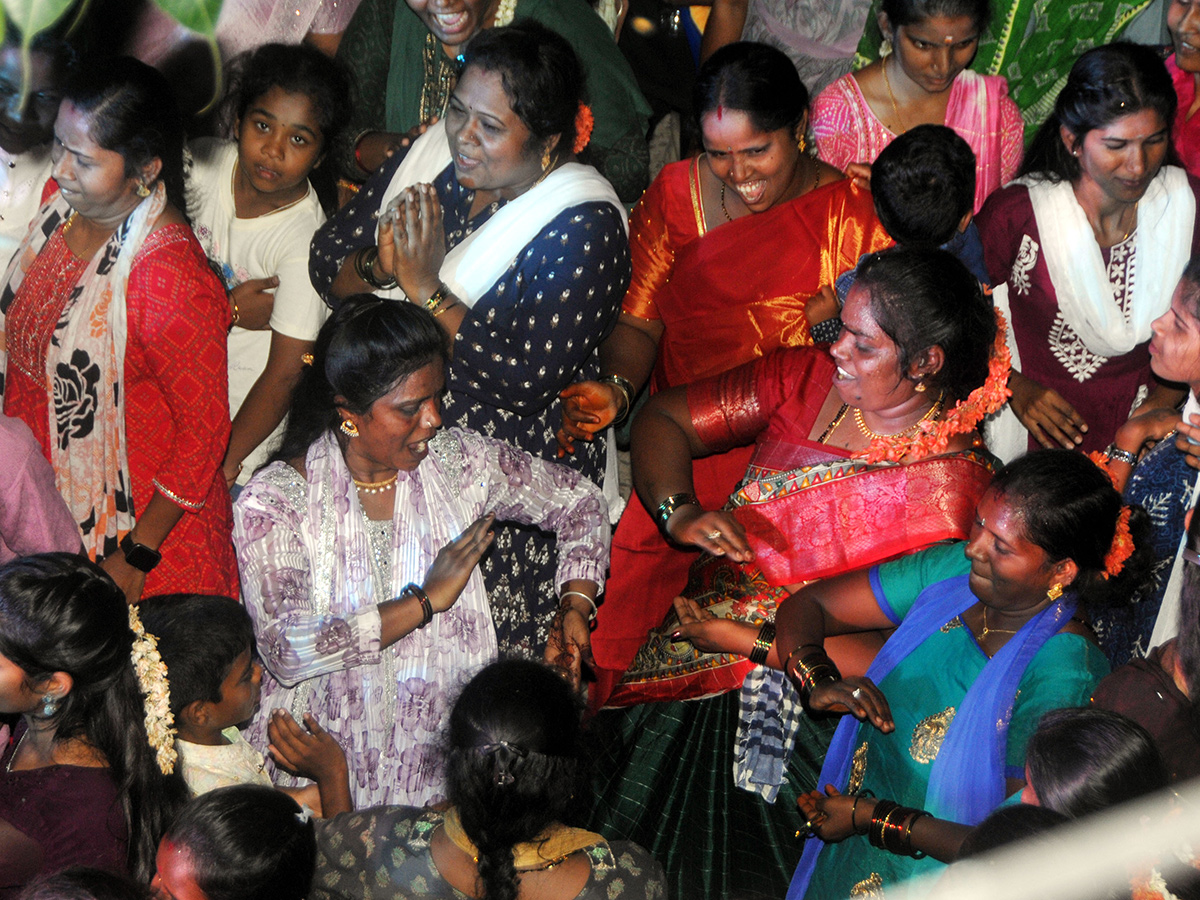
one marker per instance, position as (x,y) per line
(1163,244)
(478,261)
(481,258)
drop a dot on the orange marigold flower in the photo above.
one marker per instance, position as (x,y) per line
(584,122)
(1122,546)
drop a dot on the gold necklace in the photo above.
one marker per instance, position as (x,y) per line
(70,223)
(728,217)
(837,420)
(374,487)
(932,413)
(986,631)
(887,82)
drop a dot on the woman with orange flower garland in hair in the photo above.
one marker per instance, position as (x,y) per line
(862,452)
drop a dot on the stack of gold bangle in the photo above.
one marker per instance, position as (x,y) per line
(625,386)
(762,643)
(810,670)
(891,828)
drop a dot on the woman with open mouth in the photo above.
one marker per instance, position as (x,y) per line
(405,57)
(359,547)
(730,251)
(860,452)
(520,251)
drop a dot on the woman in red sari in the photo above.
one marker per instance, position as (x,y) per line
(860,452)
(728,251)
(114,329)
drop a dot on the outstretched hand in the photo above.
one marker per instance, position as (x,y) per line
(859,696)
(456,561)
(832,815)
(715,532)
(707,632)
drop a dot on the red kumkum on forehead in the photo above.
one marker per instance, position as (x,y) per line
(720,112)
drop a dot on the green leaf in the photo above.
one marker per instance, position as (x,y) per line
(32,16)
(198,15)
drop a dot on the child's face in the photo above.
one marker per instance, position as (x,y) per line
(23,127)
(239,693)
(173,879)
(279,143)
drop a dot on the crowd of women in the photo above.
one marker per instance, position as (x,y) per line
(913,416)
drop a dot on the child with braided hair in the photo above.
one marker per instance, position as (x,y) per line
(514,768)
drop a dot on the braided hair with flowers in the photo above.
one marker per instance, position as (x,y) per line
(1122,543)
(152,679)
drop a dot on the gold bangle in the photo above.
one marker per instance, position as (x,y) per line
(437,298)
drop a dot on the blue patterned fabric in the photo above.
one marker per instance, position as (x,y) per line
(1162,484)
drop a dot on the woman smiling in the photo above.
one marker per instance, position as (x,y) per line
(115,334)
(1096,202)
(987,642)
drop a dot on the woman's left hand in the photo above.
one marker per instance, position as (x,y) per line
(569,644)
(418,240)
(832,815)
(130,580)
(706,631)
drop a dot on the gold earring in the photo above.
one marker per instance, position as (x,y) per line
(1056,591)
(885,48)
(142,190)
(802,144)
(349,429)
(545,159)
(920,388)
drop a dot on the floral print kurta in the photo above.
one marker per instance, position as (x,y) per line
(309,581)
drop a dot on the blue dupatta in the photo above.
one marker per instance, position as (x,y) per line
(966,781)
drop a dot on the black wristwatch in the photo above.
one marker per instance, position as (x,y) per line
(139,556)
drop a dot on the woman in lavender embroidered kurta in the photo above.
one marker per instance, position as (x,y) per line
(310,559)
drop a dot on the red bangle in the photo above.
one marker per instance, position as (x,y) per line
(358,153)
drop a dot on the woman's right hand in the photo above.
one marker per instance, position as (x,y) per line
(456,561)
(1051,420)
(858,696)
(715,532)
(587,407)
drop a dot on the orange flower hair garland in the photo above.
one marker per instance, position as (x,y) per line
(584,122)
(1122,544)
(933,436)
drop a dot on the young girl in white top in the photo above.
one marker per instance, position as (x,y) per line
(255,213)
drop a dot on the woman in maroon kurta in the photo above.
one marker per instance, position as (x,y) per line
(1090,243)
(114,329)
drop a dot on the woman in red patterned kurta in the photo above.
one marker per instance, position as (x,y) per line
(114,333)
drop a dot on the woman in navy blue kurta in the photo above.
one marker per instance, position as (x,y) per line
(532,331)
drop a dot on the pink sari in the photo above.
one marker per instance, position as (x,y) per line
(979,109)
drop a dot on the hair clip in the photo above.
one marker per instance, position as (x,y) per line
(305,815)
(503,753)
